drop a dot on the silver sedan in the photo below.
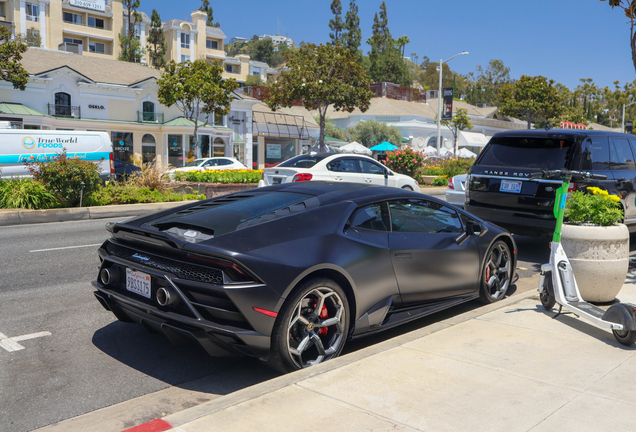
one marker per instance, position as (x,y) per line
(456,190)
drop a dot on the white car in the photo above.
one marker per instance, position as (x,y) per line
(336,168)
(213,163)
(456,190)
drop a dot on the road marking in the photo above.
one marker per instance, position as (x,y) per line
(66,247)
(11,344)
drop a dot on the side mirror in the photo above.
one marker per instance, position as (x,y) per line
(386,173)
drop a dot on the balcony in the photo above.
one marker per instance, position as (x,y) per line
(64,111)
(70,47)
(149,117)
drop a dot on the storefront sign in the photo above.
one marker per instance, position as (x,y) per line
(99,5)
(447,111)
(273,151)
(99,107)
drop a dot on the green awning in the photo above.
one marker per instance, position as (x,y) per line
(19,109)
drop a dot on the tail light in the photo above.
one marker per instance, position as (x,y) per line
(263,175)
(302,177)
(112,163)
(450,184)
(573,187)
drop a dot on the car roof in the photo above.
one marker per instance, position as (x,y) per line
(557,133)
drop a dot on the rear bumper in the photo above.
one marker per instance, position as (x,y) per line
(522,223)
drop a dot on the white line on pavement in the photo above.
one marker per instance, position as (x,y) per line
(66,247)
(11,344)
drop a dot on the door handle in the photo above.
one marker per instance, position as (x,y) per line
(367,180)
(403,256)
(337,178)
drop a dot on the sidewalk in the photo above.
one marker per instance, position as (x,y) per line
(502,367)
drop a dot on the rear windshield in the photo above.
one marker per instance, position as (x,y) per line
(535,153)
(303,161)
(227,216)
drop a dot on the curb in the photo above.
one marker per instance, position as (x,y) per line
(25,217)
(524,287)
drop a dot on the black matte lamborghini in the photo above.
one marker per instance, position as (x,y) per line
(289,273)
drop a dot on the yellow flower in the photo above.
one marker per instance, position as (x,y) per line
(614,198)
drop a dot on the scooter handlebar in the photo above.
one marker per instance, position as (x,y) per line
(567,174)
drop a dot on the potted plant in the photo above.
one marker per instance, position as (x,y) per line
(596,244)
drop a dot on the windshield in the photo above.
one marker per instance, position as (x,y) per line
(226,216)
(523,152)
(195,163)
(303,161)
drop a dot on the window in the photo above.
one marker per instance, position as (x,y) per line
(96,47)
(148,111)
(123,146)
(303,161)
(594,155)
(219,120)
(137,31)
(62,104)
(211,44)
(218,147)
(342,165)
(73,18)
(148,148)
(528,152)
(95,22)
(373,217)
(175,150)
(368,167)
(621,156)
(185,58)
(229,68)
(32,12)
(421,216)
(73,41)
(185,40)
(256,71)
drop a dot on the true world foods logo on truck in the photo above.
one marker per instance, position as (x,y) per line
(29,142)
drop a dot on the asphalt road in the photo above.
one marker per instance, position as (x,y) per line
(77,358)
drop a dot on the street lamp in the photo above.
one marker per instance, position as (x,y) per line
(439,97)
(623,123)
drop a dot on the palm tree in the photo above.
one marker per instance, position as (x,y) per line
(402,41)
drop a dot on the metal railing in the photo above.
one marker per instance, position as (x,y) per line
(70,47)
(149,117)
(64,111)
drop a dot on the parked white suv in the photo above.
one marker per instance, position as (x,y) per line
(336,168)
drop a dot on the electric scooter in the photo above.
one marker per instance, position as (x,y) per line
(557,283)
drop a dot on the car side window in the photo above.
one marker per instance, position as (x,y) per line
(595,154)
(225,162)
(621,157)
(368,167)
(373,217)
(422,216)
(342,165)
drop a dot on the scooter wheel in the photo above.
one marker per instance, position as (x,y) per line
(626,337)
(547,296)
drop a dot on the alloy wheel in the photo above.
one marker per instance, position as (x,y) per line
(497,271)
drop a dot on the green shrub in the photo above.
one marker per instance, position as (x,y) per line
(25,193)
(219,176)
(453,167)
(405,161)
(64,177)
(596,207)
(129,194)
(440,181)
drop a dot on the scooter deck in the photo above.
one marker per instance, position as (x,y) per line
(586,307)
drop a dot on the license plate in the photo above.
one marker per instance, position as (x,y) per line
(138,282)
(276,180)
(510,186)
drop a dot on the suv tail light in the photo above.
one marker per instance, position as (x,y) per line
(573,187)
(450,184)
(302,177)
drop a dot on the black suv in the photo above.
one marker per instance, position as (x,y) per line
(498,188)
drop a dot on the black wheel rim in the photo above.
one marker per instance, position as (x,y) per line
(497,271)
(316,326)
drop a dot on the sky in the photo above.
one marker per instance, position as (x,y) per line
(563,40)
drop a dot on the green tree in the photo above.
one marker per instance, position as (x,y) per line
(530,98)
(430,76)
(335,24)
(10,56)
(197,89)
(321,76)
(156,42)
(352,35)
(332,130)
(460,122)
(387,63)
(205,7)
(401,42)
(484,85)
(32,38)
(261,50)
(371,132)
(131,49)
(253,80)
(629,7)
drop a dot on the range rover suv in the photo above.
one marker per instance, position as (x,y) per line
(499,189)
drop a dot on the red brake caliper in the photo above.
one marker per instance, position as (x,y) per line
(487,274)
(323,314)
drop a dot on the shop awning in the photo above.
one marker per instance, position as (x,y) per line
(279,125)
(472,139)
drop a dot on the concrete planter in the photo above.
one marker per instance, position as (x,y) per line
(599,258)
(217,189)
(428,179)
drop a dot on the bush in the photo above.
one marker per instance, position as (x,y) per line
(149,177)
(25,193)
(405,161)
(130,194)
(219,176)
(64,177)
(440,181)
(453,167)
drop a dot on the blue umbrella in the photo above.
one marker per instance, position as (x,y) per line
(385,146)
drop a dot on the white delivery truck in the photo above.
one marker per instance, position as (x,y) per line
(20,145)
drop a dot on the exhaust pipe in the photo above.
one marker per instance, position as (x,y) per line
(109,276)
(166,296)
